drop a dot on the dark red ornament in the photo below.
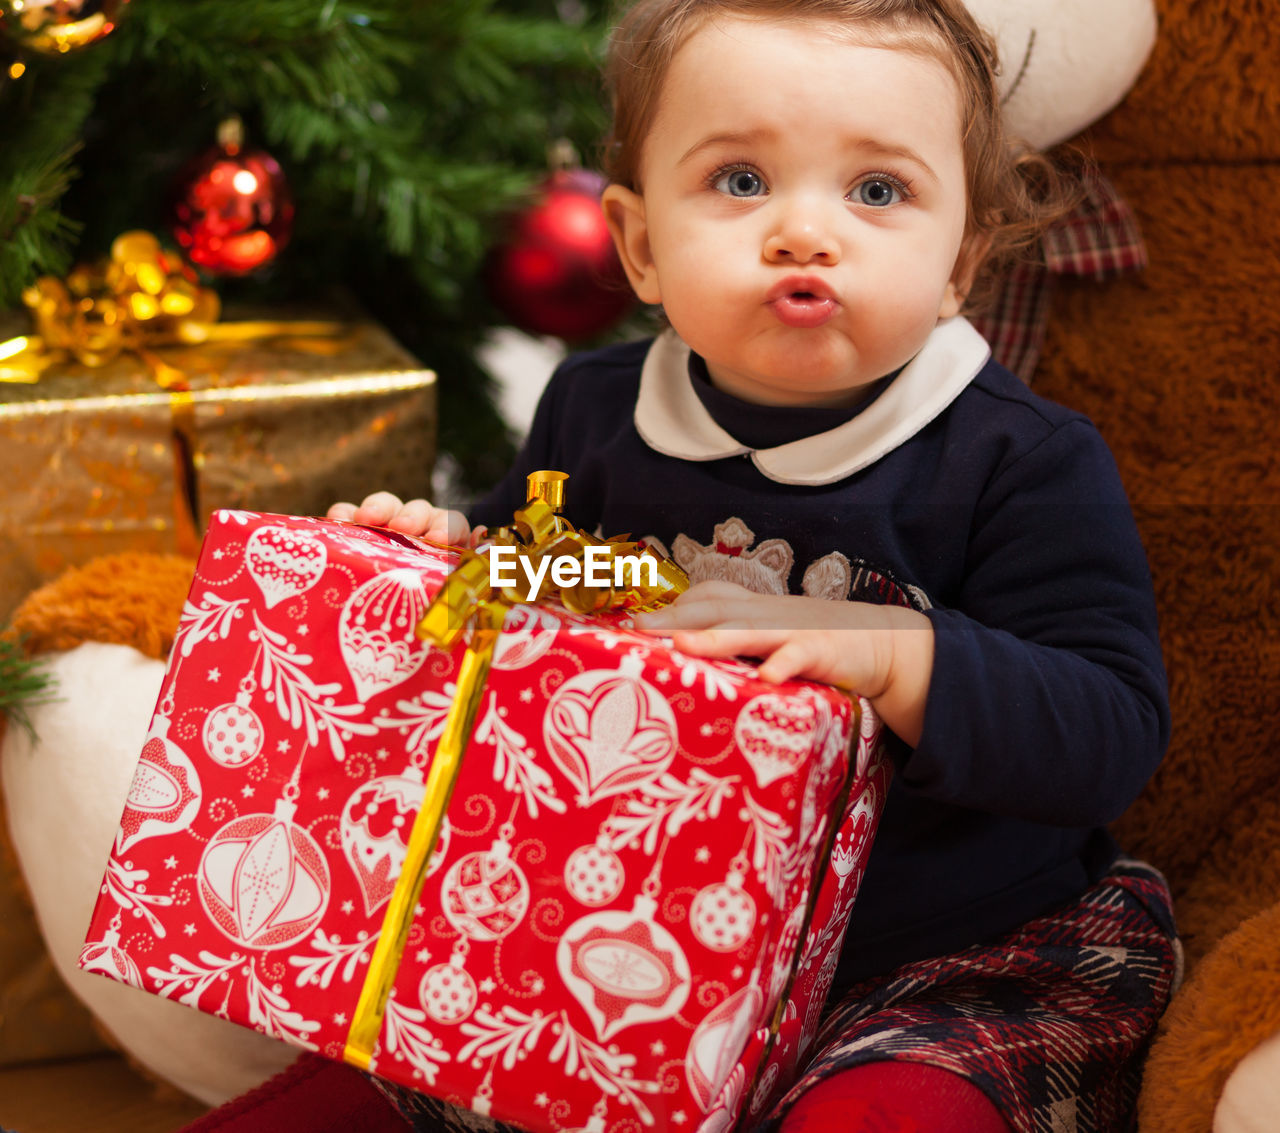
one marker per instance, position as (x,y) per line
(557,272)
(232,210)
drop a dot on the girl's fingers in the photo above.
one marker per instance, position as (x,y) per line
(377,509)
(413,517)
(341,511)
(728,641)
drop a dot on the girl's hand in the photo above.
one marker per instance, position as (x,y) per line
(413,517)
(884,653)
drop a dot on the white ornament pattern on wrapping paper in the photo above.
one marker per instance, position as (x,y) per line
(775,855)
(208,621)
(723,1112)
(593,875)
(509,1034)
(407,1038)
(128,888)
(374,829)
(720,679)
(485,894)
(263,880)
(776,733)
(446,991)
(265,1008)
(284,562)
(527,633)
(300,701)
(164,794)
(422,722)
(105,957)
(624,968)
(377,631)
(514,765)
(718,1042)
(233,734)
(664,807)
(609,731)
(336,957)
(723,915)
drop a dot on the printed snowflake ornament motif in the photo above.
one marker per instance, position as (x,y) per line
(164,795)
(374,830)
(263,880)
(485,894)
(609,731)
(377,631)
(775,733)
(284,562)
(624,968)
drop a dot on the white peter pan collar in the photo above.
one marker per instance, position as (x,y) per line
(672,420)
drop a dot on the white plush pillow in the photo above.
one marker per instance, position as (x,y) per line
(64,795)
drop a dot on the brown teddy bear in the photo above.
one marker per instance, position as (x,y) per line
(1178,366)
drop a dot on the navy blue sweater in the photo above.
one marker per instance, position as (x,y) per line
(1002,516)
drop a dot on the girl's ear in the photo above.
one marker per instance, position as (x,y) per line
(624,212)
(973,250)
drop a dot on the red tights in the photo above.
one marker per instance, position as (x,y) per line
(894,1097)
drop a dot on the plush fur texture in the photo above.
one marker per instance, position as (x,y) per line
(129,599)
(1178,366)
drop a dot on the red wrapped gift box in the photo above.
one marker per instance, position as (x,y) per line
(629,914)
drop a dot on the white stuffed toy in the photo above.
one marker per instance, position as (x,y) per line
(1064,66)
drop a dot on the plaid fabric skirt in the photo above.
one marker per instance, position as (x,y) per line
(1051,1022)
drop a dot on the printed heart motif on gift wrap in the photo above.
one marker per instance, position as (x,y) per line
(284,562)
(775,733)
(377,631)
(609,732)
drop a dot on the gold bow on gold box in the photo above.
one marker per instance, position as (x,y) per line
(132,411)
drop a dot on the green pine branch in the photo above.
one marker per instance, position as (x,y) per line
(24,683)
(407,129)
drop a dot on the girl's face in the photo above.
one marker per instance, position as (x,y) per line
(802,208)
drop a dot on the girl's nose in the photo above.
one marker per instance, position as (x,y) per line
(803,234)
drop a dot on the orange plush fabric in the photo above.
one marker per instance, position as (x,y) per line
(1180,368)
(128,599)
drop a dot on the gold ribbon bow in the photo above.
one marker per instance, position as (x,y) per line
(143,296)
(469,598)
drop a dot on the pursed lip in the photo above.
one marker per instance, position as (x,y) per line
(803,301)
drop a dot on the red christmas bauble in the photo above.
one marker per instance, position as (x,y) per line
(558,272)
(232,210)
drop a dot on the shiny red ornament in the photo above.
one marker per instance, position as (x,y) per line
(232,209)
(557,272)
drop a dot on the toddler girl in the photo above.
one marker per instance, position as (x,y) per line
(809,189)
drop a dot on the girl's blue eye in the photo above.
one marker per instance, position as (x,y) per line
(740,183)
(878,193)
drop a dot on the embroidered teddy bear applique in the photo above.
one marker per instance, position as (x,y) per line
(766,569)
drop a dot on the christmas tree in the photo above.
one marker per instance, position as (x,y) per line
(406,129)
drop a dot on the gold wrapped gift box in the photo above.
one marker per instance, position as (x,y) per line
(96,460)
